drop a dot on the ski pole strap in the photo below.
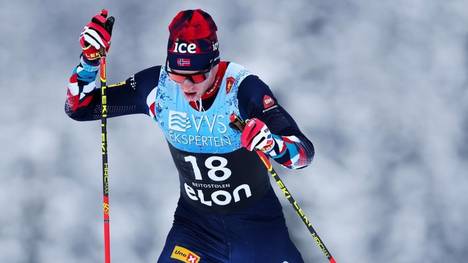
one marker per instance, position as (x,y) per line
(238,124)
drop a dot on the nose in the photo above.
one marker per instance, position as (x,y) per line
(187,85)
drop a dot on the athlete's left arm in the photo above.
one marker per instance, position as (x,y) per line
(292,149)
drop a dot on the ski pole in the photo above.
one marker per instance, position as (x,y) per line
(239,124)
(105,165)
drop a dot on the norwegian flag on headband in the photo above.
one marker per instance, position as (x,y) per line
(183,62)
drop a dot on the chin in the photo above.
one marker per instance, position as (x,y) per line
(190,97)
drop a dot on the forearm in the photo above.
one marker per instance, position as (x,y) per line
(128,97)
(292,149)
(82,96)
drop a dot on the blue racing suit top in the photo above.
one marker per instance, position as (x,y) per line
(215,172)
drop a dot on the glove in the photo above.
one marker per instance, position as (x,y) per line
(257,136)
(96,36)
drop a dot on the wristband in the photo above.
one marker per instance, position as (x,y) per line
(88,66)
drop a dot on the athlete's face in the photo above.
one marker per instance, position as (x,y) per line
(194,83)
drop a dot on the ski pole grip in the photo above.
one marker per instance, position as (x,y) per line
(236,122)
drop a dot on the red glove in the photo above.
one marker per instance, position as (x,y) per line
(96,36)
(256,135)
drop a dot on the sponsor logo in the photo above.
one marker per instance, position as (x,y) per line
(268,102)
(184,48)
(215,46)
(133,82)
(184,255)
(208,130)
(199,140)
(105,208)
(178,121)
(269,145)
(106,174)
(218,197)
(229,83)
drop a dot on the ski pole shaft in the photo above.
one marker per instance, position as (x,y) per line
(105,165)
(296,206)
(239,124)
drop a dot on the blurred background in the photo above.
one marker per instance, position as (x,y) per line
(378,86)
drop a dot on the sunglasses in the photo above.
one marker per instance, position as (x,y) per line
(196,78)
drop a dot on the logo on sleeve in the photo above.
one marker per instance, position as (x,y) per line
(133,82)
(184,255)
(268,102)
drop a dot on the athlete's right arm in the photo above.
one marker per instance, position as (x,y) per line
(83,97)
(83,101)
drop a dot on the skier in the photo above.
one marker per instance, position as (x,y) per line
(227,210)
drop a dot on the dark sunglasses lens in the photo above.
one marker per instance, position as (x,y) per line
(198,78)
(177,78)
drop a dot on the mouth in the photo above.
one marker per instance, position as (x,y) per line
(190,93)
(190,96)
